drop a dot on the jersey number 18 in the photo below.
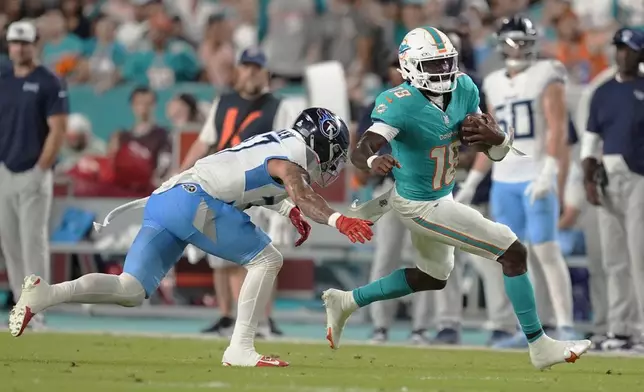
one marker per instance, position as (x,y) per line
(445,160)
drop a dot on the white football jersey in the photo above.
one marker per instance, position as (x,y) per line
(517,102)
(239,175)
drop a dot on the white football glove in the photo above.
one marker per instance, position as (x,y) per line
(468,188)
(545,183)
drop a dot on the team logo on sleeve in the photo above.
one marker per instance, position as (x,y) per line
(328,124)
(380,109)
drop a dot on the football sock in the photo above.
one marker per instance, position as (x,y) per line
(391,286)
(519,290)
(557,277)
(254,295)
(121,289)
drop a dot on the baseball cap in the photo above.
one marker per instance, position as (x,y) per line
(253,55)
(633,38)
(79,123)
(21,31)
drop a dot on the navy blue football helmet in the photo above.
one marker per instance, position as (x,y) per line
(517,41)
(327,136)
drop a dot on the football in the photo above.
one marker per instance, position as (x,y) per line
(473,120)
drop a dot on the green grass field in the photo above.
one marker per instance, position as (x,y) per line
(101,363)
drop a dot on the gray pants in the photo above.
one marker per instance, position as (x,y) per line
(391,237)
(621,229)
(597,275)
(25,203)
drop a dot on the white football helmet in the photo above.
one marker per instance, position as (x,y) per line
(428,60)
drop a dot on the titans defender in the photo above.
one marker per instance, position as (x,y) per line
(203,206)
(420,119)
(529,95)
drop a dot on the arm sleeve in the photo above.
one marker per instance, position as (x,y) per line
(384,130)
(285,116)
(209,134)
(283,208)
(56,98)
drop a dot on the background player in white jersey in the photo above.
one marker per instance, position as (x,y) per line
(204,206)
(425,120)
(529,96)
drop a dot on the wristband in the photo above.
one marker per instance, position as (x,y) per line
(370,160)
(333,219)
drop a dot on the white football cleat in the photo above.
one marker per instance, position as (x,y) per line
(339,306)
(546,352)
(33,299)
(249,358)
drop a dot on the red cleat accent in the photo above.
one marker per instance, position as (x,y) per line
(37,282)
(271,362)
(572,358)
(329,337)
(25,321)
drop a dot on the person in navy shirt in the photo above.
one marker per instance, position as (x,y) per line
(612,154)
(33,117)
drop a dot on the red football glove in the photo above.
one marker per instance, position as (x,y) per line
(302,226)
(354,228)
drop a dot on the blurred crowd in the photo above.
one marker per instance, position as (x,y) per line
(159,43)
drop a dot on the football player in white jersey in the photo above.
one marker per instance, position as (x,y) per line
(204,206)
(528,96)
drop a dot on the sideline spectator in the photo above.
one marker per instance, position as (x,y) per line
(183,111)
(33,118)
(62,50)
(132,32)
(194,16)
(291,41)
(163,61)
(79,142)
(245,34)
(104,56)
(583,58)
(612,154)
(75,21)
(144,152)
(217,53)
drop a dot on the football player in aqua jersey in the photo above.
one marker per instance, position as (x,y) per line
(421,120)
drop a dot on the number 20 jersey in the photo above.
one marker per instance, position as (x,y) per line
(518,102)
(239,175)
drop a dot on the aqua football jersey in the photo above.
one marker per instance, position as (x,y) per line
(428,142)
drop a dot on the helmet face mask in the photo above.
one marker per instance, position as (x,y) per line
(518,50)
(517,41)
(428,60)
(327,141)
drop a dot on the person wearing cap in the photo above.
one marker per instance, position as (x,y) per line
(612,154)
(249,110)
(33,119)
(79,142)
